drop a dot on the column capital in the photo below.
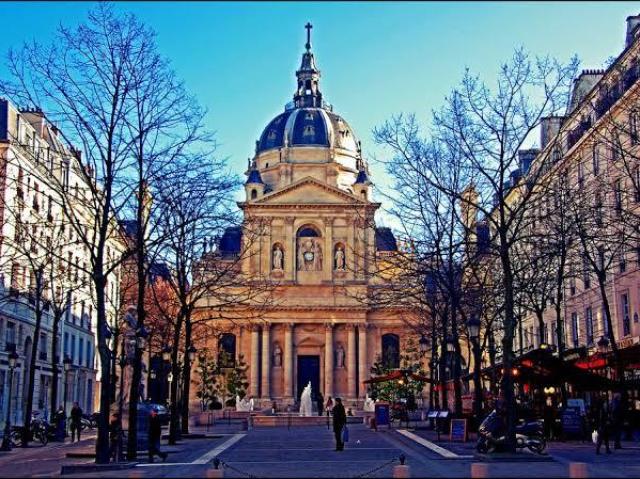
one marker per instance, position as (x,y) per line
(266,325)
(289,220)
(329,326)
(328,221)
(288,326)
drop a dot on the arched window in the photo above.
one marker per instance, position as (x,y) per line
(391,350)
(254,194)
(308,231)
(227,350)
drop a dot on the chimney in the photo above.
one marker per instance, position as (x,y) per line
(632,23)
(583,85)
(549,128)
(525,158)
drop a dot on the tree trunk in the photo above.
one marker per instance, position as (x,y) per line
(175,371)
(186,373)
(55,360)
(34,356)
(102,441)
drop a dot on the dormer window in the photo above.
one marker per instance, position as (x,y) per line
(272,135)
(308,116)
(309,130)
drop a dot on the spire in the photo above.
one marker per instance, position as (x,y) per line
(308,91)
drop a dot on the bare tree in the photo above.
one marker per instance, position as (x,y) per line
(483,129)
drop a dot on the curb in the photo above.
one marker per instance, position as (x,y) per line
(82,468)
(502,457)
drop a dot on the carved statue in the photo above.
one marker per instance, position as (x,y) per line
(339,356)
(309,255)
(277,258)
(339,259)
(277,356)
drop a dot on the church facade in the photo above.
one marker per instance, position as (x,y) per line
(308,190)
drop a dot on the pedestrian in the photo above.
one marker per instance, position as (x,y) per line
(115,438)
(603,425)
(320,403)
(617,420)
(76,421)
(329,406)
(339,422)
(155,433)
(549,419)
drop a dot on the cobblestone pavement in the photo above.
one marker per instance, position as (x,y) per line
(309,452)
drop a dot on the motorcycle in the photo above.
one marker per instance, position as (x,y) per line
(491,435)
(89,421)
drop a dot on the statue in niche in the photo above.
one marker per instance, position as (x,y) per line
(277,356)
(340,356)
(278,257)
(339,259)
(309,255)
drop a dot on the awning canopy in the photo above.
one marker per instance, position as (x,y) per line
(540,367)
(397,375)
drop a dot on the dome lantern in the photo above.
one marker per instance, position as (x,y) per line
(308,92)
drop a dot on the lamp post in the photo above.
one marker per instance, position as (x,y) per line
(6,439)
(473,327)
(66,362)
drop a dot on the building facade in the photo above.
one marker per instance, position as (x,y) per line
(309,232)
(37,242)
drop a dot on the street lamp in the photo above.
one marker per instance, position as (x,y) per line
(473,327)
(6,439)
(450,345)
(424,344)
(66,362)
(191,353)
(603,344)
(166,353)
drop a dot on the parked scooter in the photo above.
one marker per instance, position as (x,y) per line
(491,435)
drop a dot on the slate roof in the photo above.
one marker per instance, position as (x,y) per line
(385,241)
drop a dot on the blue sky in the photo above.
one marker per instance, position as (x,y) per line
(377,58)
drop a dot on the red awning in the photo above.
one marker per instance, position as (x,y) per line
(396,375)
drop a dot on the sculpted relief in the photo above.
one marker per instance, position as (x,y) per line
(309,254)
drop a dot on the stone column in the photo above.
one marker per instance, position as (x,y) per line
(288,360)
(328,361)
(363,366)
(266,361)
(290,250)
(351,361)
(255,364)
(351,252)
(327,267)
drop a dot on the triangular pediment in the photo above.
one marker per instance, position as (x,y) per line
(308,191)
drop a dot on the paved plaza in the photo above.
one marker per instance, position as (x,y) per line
(309,452)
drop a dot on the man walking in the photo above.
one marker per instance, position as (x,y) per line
(339,422)
(76,421)
(155,433)
(603,425)
(617,420)
(320,403)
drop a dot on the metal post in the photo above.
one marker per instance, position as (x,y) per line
(64,407)
(476,380)
(6,440)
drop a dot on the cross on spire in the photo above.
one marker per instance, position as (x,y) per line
(308,26)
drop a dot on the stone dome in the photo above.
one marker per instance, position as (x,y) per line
(308,126)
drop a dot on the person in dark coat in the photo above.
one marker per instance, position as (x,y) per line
(617,420)
(602,422)
(76,421)
(115,438)
(339,422)
(155,433)
(320,403)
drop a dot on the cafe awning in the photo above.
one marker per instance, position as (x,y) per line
(397,375)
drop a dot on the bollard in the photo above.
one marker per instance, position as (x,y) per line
(479,470)
(214,473)
(401,472)
(135,473)
(578,470)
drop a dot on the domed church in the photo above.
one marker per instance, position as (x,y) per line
(309,233)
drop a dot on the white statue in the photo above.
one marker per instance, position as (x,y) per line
(251,404)
(369,404)
(277,356)
(305,401)
(339,258)
(277,258)
(242,405)
(339,356)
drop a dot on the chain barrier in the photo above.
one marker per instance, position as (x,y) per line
(376,469)
(226,465)
(230,467)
